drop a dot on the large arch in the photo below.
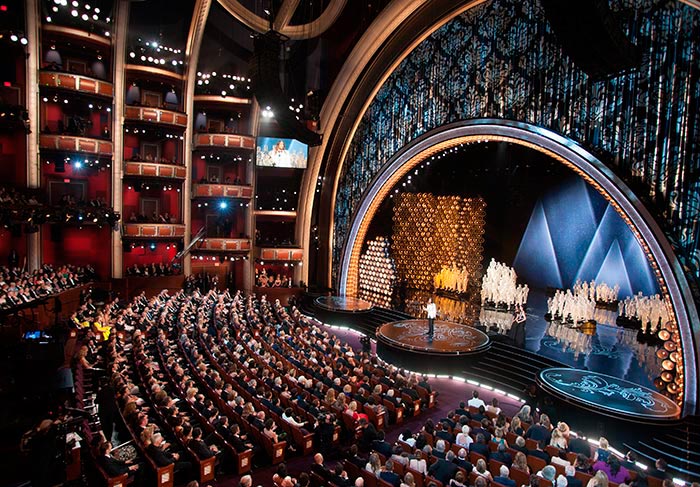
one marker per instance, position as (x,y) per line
(672,280)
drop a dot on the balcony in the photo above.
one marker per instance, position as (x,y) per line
(154,170)
(69,143)
(222,191)
(224,245)
(224,141)
(280,254)
(149,72)
(76,82)
(155,115)
(154,230)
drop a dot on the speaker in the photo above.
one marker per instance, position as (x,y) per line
(264,71)
(591,36)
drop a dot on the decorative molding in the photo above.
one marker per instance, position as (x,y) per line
(155,115)
(148,71)
(76,82)
(102,41)
(224,245)
(287,214)
(224,141)
(69,143)
(221,100)
(222,191)
(154,230)
(154,170)
(279,254)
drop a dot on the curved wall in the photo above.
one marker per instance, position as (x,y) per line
(500,59)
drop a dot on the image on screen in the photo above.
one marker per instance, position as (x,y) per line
(278,152)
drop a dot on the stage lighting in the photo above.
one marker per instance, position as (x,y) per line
(223,205)
(152,246)
(78,165)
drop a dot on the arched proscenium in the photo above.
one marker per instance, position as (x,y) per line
(672,281)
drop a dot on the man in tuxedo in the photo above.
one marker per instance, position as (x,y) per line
(163,458)
(201,449)
(479,446)
(539,452)
(659,470)
(387,474)
(462,462)
(111,465)
(502,455)
(538,433)
(319,468)
(579,446)
(475,401)
(630,461)
(444,469)
(443,432)
(339,476)
(504,477)
(382,446)
(431,310)
(237,441)
(462,410)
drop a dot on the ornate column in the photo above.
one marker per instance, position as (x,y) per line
(32,105)
(119,56)
(194,42)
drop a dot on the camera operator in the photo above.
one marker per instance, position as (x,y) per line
(45,446)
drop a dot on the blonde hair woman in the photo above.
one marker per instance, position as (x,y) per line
(598,480)
(602,453)
(520,462)
(482,470)
(408,480)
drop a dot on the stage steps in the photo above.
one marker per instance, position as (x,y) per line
(678,445)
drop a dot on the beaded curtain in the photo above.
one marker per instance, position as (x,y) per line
(502,60)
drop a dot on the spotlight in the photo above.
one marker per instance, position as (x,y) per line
(24,41)
(152,246)
(74,13)
(14,38)
(132,54)
(78,165)
(223,205)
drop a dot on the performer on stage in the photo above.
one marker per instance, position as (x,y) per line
(431,309)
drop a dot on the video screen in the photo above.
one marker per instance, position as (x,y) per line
(277,152)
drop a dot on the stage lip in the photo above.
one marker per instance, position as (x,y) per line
(608,395)
(345,304)
(408,335)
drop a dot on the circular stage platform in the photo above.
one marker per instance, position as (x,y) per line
(608,395)
(344,304)
(449,338)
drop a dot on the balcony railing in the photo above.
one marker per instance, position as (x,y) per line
(222,191)
(224,141)
(280,254)
(224,245)
(222,100)
(76,82)
(154,170)
(155,115)
(154,230)
(70,143)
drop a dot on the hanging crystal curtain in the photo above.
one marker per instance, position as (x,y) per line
(501,60)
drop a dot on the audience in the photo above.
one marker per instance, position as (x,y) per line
(18,287)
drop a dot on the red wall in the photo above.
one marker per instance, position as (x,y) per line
(235,212)
(52,112)
(220,269)
(89,245)
(13,158)
(163,254)
(199,170)
(169,200)
(98,180)
(8,242)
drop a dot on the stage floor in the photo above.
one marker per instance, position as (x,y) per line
(345,304)
(608,395)
(449,339)
(620,352)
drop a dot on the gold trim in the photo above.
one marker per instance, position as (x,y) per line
(151,71)
(78,34)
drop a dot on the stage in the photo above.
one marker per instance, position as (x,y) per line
(607,395)
(406,344)
(345,304)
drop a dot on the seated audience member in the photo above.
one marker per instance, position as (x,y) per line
(524,414)
(458,481)
(539,432)
(613,470)
(598,480)
(520,463)
(482,469)
(201,449)
(439,450)
(463,438)
(579,446)
(479,446)
(112,466)
(418,463)
(319,468)
(561,459)
(539,452)
(407,437)
(548,473)
(381,446)
(339,476)
(502,455)
(561,481)
(603,451)
(408,480)
(462,461)
(630,461)
(444,469)
(494,407)
(387,474)
(374,464)
(162,458)
(504,477)
(475,401)
(355,458)
(659,470)
(571,479)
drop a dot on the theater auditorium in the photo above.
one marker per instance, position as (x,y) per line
(350,243)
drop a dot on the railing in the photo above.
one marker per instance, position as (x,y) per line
(76,82)
(71,143)
(154,230)
(225,244)
(280,254)
(230,141)
(154,169)
(155,115)
(222,190)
